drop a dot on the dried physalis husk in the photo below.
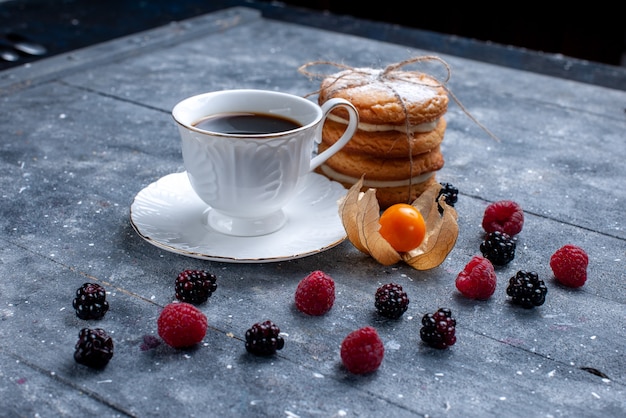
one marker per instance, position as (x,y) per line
(360,214)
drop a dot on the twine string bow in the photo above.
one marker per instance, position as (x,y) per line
(387,77)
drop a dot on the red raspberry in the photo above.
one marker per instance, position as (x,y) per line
(315,293)
(362,351)
(181,324)
(478,279)
(504,216)
(569,265)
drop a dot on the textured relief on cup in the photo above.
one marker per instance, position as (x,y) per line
(245,177)
(201,170)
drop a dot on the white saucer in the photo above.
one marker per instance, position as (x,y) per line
(169,215)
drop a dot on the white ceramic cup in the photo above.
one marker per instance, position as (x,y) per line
(247,179)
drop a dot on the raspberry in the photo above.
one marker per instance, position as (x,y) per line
(362,351)
(181,324)
(195,286)
(439,329)
(499,248)
(504,216)
(569,265)
(391,301)
(94,348)
(451,194)
(478,279)
(263,339)
(527,289)
(315,294)
(90,301)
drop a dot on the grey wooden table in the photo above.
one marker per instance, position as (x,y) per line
(83,133)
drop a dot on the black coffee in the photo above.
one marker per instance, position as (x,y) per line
(246,123)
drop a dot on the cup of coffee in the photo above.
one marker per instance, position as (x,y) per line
(247,151)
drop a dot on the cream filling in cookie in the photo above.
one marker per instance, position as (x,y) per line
(376,184)
(370,127)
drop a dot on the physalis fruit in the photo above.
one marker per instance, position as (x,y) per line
(403,226)
(360,214)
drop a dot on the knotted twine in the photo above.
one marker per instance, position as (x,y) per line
(386,78)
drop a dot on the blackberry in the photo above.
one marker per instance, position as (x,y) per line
(527,289)
(90,301)
(263,339)
(195,286)
(499,248)
(391,301)
(450,192)
(94,348)
(439,329)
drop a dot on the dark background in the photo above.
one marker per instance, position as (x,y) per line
(593,32)
(590,31)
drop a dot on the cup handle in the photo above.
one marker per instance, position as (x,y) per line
(327,107)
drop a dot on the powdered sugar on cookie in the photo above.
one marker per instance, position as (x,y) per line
(388,98)
(412,87)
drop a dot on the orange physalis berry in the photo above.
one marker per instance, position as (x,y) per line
(403,227)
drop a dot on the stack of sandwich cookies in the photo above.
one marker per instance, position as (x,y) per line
(397,145)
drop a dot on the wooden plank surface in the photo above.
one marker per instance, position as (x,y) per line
(78,143)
